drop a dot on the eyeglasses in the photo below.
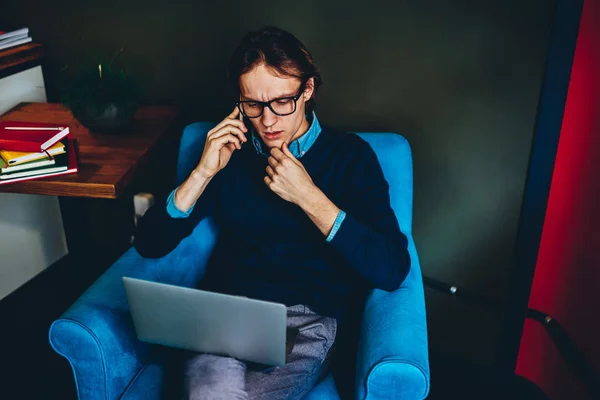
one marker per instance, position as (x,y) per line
(282,106)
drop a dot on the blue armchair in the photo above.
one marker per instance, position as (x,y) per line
(97,337)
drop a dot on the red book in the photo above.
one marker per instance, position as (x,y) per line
(30,137)
(72,167)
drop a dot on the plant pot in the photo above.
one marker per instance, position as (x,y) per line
(103,101)
(115,118)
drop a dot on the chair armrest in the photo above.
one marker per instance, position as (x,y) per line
(96,334)
(392,351)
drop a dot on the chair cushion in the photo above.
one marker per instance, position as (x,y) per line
(325,390)
(148,383)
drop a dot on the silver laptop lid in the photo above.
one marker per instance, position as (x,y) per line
(192,319)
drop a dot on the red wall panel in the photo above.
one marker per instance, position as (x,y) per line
(566,283)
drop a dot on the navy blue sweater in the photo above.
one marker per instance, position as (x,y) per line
(269,249)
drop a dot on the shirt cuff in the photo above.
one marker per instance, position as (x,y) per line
(336,225)
(172,209)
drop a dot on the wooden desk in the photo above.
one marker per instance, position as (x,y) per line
(108,163)
(97,202)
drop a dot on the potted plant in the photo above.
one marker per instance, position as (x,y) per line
(102,98)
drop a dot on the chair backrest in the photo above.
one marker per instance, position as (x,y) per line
(393,152)
(395,158)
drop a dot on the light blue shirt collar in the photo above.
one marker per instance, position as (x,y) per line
(299,146)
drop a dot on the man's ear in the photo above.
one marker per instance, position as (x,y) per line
(309,89)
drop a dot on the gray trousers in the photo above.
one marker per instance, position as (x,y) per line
(212,377)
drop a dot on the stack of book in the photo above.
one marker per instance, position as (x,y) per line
(14,38)
(35,150)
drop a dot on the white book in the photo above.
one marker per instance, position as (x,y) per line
(5,168)
(34,172)
(22,31)
(13,39)
(15,43)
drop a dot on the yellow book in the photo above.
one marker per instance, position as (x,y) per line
(17,157)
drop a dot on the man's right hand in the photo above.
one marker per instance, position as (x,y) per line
(221,142)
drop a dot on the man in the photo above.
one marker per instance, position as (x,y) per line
(303,211)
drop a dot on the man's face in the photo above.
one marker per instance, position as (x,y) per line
(262,84)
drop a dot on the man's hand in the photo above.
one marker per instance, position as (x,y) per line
(221,142)
(287,177)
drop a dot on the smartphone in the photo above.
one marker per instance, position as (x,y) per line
(248,125)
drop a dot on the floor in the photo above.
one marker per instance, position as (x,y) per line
(30,369)
(455,379)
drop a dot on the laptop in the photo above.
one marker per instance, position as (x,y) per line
(197,320)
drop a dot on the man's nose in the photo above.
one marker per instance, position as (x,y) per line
(268,118)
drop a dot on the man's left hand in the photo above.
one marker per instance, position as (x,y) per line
(287,177)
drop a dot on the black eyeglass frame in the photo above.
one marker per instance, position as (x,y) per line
(268,103)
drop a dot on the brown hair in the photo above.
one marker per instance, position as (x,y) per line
(279,50)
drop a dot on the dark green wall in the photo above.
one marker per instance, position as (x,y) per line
(460,79)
